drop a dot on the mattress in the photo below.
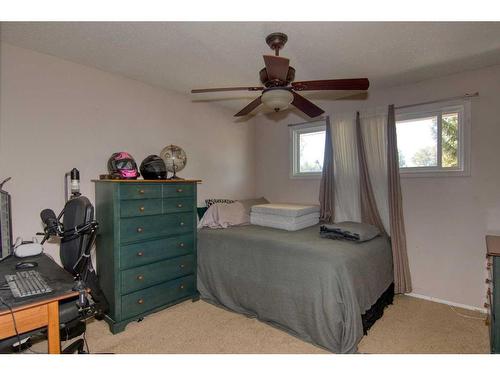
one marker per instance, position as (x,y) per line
(285,209)
(312,287)
(284,222)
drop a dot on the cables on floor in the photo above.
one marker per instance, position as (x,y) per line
(467,316)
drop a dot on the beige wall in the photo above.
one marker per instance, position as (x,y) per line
(446,217)
(56,115)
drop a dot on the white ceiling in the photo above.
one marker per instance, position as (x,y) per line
(180,56)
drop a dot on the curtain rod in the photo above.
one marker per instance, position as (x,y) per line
(466,96)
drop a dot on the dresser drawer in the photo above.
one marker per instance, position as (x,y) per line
(151,274)
(140,191)
(140,207)
(172,205)
(152,251)
(147,299)
(178,190)
(139,228)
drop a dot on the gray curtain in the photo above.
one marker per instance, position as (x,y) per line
(402,278)
(369,210)
(326,190)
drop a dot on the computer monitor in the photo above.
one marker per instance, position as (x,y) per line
(5,223)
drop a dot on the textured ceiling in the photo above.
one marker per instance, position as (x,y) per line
(180,56)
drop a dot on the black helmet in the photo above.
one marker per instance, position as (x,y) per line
(153,168)
(122,165)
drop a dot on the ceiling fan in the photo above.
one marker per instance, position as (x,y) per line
(280,90)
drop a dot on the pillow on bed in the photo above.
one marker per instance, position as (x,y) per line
(224,215)
(212,201)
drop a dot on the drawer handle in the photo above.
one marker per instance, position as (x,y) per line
(180,190)
(181,244)
(140,277)
(181,286)
(140,229)
(141,208)
(182,265)
(140,301)
(179,205)
(181,223)
(140,254)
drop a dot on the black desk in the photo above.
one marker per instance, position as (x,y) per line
(37,311)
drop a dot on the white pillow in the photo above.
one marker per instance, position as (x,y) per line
(223,215)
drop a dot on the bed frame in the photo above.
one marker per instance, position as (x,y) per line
(377,310)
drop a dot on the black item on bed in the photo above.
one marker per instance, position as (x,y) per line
(350,231)
(335,234)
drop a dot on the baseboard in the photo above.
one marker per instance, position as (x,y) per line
(434,299)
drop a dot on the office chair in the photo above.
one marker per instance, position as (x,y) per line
(77,232)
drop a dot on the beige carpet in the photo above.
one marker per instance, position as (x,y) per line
(410,325)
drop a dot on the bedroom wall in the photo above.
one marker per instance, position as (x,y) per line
(446,217)
(56,115)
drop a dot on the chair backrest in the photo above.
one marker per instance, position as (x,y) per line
(77,211)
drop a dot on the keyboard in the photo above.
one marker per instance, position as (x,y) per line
(27,284)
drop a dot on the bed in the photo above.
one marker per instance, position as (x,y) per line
(320,290)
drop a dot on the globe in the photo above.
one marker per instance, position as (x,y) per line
(175,159)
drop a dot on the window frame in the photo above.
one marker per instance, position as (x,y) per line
(295,130)
(462,107)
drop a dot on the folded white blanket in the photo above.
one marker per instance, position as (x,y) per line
(284,222)
(285,209)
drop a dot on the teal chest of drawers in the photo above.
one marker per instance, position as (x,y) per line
(146,246)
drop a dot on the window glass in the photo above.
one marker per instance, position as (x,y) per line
(417,142)
(311,151)
(449,131)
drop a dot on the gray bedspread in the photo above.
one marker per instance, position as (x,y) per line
(312,287)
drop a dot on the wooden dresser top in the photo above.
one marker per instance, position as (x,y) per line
(493,245)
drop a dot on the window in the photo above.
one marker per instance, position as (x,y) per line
(307,147)
(432,140)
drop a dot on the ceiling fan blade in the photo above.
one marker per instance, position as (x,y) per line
(249,108)
(309,108)
(198,91)
(277,67)
(333,84)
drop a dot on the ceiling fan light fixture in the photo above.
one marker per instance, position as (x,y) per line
(280,89)
(277,99)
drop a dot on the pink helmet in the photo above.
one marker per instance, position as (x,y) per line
(122,165)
